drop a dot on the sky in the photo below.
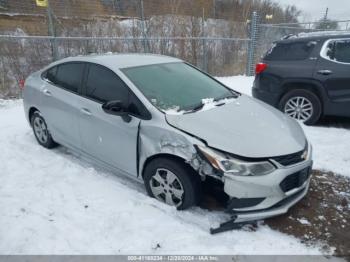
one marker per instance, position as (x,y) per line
(314,9)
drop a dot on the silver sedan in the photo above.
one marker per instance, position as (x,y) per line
(165,123)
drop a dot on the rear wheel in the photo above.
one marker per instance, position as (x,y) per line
(41,132)
(172,182)
(302,105)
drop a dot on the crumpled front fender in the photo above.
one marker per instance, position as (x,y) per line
(155,140)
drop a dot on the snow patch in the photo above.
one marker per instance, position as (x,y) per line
(208,103)
(304,221)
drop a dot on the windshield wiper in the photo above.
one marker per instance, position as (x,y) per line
(200,105)
(194,108)
(232,95)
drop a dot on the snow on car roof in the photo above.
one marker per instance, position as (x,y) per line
(118,61)
(324,33)
(314,35)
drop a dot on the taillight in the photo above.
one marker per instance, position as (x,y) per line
(21,83)
(260,67)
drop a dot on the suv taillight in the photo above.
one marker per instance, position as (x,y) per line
(260,67)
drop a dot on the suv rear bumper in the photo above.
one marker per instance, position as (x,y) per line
(266,96)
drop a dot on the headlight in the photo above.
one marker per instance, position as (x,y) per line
(234,166)
(305,154)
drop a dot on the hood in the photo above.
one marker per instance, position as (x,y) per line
(245,127)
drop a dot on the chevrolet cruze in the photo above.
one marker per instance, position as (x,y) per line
(172,127)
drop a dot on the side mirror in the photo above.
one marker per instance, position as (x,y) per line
(116,107)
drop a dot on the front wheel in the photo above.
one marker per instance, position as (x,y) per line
(172,182)
(302,105)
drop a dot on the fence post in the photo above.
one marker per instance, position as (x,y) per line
(143,28)
(252,45)
(52,32)
(204,46)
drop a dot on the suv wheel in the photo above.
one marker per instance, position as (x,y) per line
(41,131)
(172,182)
(301,105)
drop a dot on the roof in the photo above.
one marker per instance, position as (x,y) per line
(315,36)
(118,61)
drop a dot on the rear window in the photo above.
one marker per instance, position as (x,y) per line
(290,51)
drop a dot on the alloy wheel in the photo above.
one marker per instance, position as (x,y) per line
(40,130)
(167,187)
(299,108)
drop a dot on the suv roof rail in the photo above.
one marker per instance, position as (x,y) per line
(323,33)
(288,36)
(316,34)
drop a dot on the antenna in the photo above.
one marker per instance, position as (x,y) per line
(326,15)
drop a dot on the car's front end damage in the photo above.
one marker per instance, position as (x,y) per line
(258,189)
(261,156)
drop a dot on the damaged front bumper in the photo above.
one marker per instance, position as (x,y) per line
(258,197)
(255,196)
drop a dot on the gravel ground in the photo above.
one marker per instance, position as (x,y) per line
(321,218)
(323,215)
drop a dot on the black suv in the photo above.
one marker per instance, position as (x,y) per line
(307,76)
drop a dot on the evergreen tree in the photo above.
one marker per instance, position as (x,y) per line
(327,24)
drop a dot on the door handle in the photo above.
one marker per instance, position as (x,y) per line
(85,111)
(324,72)
(47,92)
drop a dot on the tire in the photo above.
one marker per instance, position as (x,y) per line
(41,132)
(189,182)
(306,99)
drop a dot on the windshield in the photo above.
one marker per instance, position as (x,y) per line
(176,86)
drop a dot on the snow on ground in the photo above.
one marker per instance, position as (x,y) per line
(52,202)
(239,83)
(330,145)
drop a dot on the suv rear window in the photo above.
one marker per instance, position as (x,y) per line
(290,51)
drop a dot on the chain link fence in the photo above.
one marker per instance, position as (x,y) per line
(205,33)
(22,55)
(217,46)
(200,32)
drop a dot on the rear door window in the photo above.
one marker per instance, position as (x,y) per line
(69,76)
(342,51)
(337,50)
(290,51)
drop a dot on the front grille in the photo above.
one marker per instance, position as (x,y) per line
(295,180)
(290,159)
